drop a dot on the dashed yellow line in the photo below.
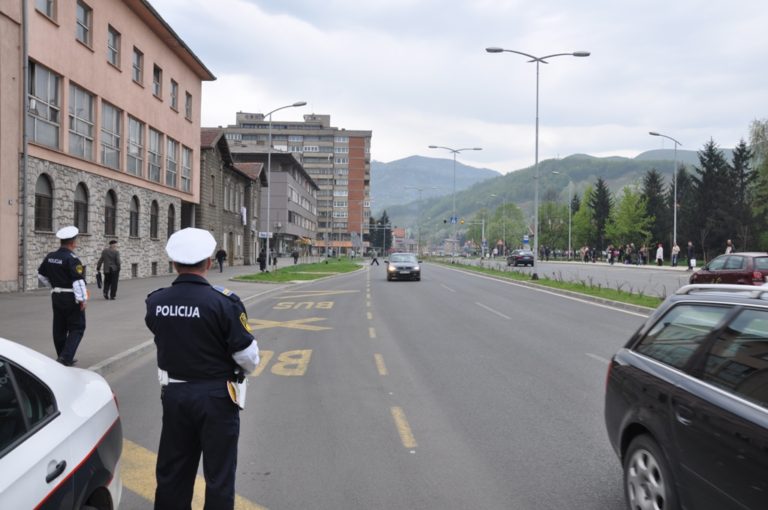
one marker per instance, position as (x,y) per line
(137,467)
(380,366)
(372,332)
(406,436)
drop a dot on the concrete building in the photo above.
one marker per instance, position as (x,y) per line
(229,198)
(292,201)
(108,97)
(337,159)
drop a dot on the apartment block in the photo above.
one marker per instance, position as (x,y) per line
(337,159)
(100,128)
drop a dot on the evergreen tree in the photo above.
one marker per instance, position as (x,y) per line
(575,203)
(687,224)
(656,206)
(600,201)
(744,178)
(584,231)
(758,141)
(630,222)
(715,196)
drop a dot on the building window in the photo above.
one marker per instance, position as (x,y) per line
(133,223)
(47,7)
(43,204)
(110,214)
(171,220)
(80,122)
(188,106)
(84,17)
(135,147)
(171,162)
(213,191)
(44,106)
(155,154)
(186,169)
(174,95)
(111,119)
(153,213)
(81,208)
(137,71)
(113,46)
(157,81)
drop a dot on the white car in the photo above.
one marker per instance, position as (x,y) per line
(60,434)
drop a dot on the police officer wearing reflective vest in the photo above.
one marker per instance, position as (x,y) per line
(64,273)
(204,346)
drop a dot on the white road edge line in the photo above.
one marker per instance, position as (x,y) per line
(493,311)
(447,287)
(598,358)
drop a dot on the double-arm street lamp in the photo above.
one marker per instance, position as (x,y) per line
(269,171)
(674,185)
(454,219)
(537,60)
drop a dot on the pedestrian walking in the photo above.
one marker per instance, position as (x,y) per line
(204,348)
(728,246)
(110,260)
(63,272)
(273,256)
(689,253)
(295,255)
(675,254)
(262,260)
(374,258)
(659,254)
(221,256)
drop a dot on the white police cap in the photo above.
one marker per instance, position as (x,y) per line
(67,232)
(190,245)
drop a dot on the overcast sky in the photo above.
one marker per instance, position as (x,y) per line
(416,73)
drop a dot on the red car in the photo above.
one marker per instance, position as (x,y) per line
(747,268)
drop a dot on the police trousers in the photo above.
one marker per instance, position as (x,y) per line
(68,324)
(198,418)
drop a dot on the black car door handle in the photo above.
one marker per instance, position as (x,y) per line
(684,415)
(59,469)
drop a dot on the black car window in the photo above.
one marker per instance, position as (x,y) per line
(717,263)
(735,262)
(761,263)
(25,402)
(677,335)
(738,360)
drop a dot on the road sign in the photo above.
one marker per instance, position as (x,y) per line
(454,220)
(263,235)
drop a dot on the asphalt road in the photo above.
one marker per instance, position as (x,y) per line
(455,392)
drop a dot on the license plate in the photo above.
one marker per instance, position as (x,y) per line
(405,272)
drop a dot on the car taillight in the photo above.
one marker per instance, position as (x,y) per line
(757,278)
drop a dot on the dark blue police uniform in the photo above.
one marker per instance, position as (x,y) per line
(197,328)
(62,269)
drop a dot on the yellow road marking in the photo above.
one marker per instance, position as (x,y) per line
(294,324)
(137,467)
(264,358)
(370,316)
(380,366)
(314,293)
(406,436)
(372,332)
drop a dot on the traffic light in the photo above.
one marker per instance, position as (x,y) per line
(462,221)
(445,221)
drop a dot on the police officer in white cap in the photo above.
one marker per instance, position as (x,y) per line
(64,273)
(203,343)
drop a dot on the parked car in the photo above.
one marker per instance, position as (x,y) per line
(686,402)
(60,434)
(403,266)
(747,268)
(520,257)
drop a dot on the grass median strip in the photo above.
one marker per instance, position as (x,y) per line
(302,272)
(587,287)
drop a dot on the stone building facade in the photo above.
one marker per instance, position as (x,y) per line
(229,198)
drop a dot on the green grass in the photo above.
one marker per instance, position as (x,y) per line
(295,272)
(583,287)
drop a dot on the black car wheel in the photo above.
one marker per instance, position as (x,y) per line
(648,481)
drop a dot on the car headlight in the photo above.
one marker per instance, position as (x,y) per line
(416,268)
(391,268)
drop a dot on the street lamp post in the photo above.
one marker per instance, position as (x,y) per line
(454,219)
(269,171)
(570,207)
(674,185)
(538,60)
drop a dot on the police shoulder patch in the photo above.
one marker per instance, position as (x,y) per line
(244,322)
(226,292)
(79,269)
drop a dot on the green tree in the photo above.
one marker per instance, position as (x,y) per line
(506,223)
(758,142)
(657,207)
(714,197)
(687,223)
(600,201)
(630,221)
(744,178)
(584,231)
(553,225)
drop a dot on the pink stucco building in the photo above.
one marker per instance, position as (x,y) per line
(109,97)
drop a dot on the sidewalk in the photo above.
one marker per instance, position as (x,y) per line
(115,331)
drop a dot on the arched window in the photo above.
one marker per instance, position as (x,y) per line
(153,214)
(171,220)
(226,195)
(134,218)
(110,214)
(81,208)
(44,204)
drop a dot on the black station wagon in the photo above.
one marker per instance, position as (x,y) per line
(686,404)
